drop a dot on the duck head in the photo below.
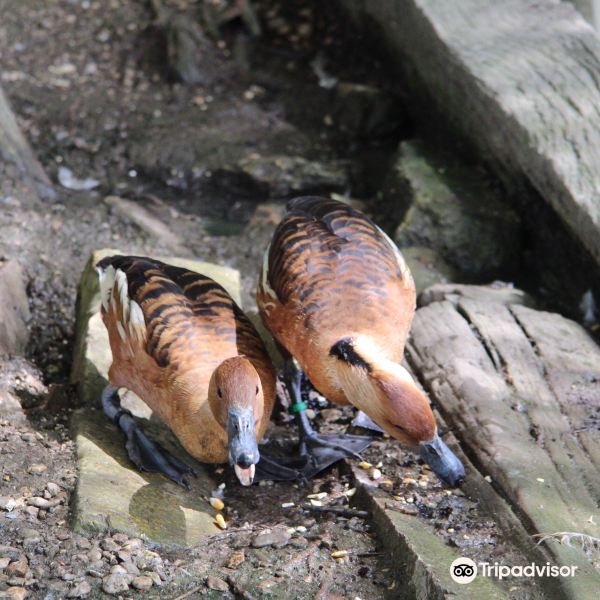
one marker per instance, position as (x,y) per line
(236,399)
(386,392)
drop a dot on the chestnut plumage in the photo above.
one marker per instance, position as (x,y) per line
(337,295)
(182,344)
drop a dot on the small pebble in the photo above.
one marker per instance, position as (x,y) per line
(36,468)
(53,488)
(235,559)
(81,590)
(142,582)
(120,538)
(109,545)
(115,583)
(18,568)
(277,537)
(15,593)
(216,583)
(7,503)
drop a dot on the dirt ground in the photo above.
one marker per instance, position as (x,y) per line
(94,93)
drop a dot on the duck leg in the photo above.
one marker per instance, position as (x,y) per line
(145,454)
(330,447)
(317,452)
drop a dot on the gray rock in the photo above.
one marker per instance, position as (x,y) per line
(14,309)
(18,568)
(130,568)
(142,582)
(109,544)
(115,583)
(30,536)
(15,593)
(10,552)
(448,207)
(285,175)
(7,503)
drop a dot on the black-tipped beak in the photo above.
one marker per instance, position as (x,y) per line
(444,463)
(243,449)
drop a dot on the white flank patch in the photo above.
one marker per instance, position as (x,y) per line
(406,274)
(137,324)
(107,281)
(122,290)
(264,282)
(121,331)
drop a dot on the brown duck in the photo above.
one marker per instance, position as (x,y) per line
(181,343)
(337,295)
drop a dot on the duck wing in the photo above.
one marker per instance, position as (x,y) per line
(172,314)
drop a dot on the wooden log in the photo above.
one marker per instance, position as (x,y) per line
(520,79)
(519,389)
(15,149)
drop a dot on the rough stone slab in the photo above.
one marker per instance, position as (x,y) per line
(449,207)
(14,309)
(110,492)
(520,79)
(519,388)
(421,558)
(112,495)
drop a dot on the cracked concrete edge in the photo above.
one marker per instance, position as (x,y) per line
(421,560)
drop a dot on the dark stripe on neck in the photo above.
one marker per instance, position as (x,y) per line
(344,350)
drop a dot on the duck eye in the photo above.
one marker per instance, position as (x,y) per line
(257,390)
(219,393)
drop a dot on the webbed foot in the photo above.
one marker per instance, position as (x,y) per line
(143,452)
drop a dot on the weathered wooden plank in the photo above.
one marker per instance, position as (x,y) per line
(455,292)
(505,393)
(520,79)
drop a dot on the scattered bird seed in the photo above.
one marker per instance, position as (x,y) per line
(217,503)
(220,521)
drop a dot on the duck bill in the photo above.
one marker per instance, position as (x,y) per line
(443,462)
(243,448)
